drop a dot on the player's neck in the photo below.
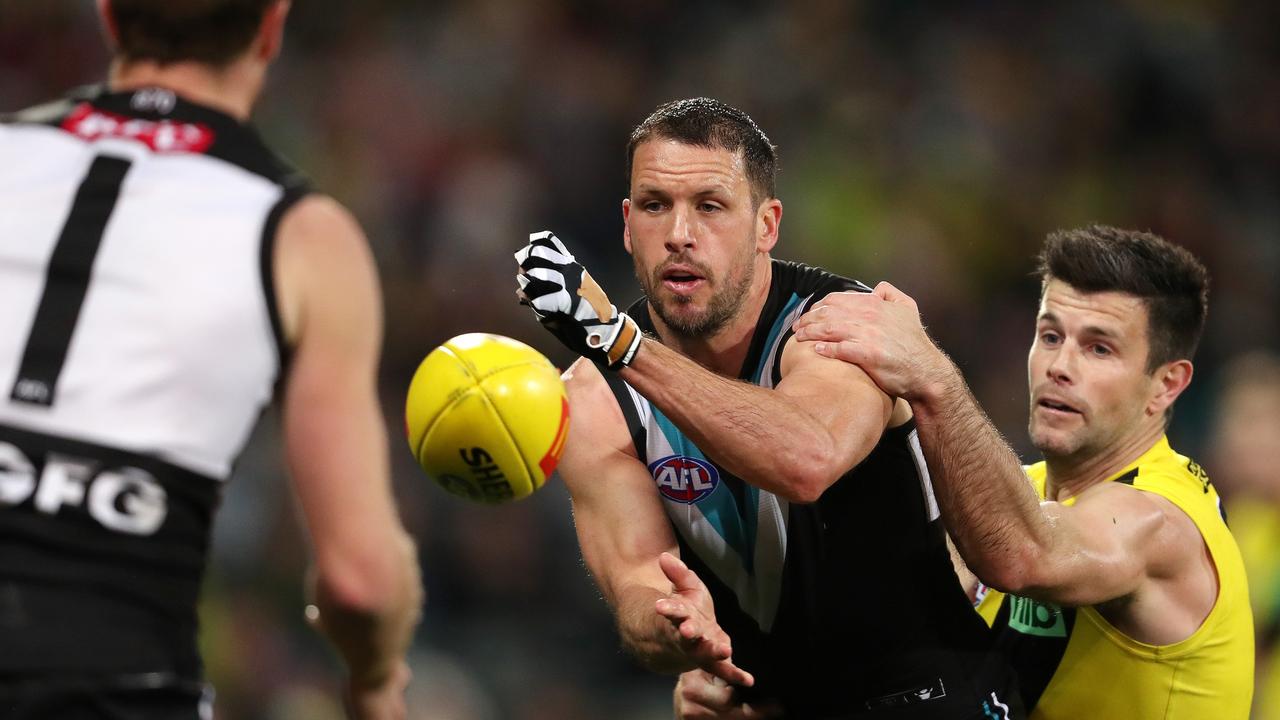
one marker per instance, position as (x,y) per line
(1069,476)
(724,351)
(231,90)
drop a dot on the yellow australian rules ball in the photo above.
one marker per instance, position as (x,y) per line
(487,417)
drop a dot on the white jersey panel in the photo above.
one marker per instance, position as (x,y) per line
(173,353)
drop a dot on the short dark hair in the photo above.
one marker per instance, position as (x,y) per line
(213,32)
(1169,280)
(709,123)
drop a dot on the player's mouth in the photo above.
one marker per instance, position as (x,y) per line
(682,279)
(1056,407)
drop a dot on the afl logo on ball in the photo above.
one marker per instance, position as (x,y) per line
(684,479)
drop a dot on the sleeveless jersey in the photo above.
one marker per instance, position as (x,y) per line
(1072,663)
(846,607)
(138,345)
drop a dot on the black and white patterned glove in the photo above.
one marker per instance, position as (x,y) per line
(571,305)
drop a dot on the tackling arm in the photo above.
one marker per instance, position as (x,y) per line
(367,586)
(1098,549)
(664,614)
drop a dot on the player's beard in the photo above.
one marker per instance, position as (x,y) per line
(1057,445)
(725,302)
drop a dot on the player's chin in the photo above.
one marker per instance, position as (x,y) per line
(679,299)
(1052,442)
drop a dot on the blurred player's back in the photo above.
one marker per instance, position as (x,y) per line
(137,349)
(162,275)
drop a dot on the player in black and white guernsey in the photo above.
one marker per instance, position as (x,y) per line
(162,274)
(749,509)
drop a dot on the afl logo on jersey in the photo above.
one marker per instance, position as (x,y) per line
(684,479)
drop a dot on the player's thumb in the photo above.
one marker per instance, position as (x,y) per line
(886,291)
(678,573)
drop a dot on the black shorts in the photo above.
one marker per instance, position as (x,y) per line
(132,697)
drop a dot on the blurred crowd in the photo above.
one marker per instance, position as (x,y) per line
(930,144)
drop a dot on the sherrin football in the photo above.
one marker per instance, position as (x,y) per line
(487,417)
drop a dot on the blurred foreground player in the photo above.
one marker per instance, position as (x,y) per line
(1126,594)
(713,448)
(162,273)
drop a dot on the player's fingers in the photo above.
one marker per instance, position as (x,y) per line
(702,688)
(816,330)
(673,609)
(846,350)
(704,648)
(679,574)
(545,243)
(804,322)
(890,293)
(691,632)
(697,711)
(886,290)
(730,673)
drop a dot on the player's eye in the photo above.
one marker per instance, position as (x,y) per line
(1100,350)
(652,206)
(1049,337)
(708,207)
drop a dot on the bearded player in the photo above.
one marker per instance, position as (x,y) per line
(708,446)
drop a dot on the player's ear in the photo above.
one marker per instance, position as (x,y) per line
(109,23)
(626,225)
(768,219)
(1168,382)
(271,32)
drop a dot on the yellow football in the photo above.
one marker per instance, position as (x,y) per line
(487,417)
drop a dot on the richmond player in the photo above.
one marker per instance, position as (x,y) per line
(1126,593)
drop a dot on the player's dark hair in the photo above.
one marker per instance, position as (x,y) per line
(709,123)
(1168,279)
(213,32)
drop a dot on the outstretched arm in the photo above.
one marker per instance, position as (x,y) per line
(366,585)
(664,613)
(1093,551)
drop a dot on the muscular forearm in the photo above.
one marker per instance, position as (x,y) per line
(990,509)
(741,425)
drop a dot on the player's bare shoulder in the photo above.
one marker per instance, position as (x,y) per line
(597,429)
(1161,531)
(320,248)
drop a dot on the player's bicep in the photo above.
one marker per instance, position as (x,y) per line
(839,395)
(1110,539)
(621,525)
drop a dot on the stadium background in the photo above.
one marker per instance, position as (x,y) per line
(931,145)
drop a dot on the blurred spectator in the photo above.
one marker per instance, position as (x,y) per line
(1245,465)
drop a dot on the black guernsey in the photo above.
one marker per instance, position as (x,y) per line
(846,607)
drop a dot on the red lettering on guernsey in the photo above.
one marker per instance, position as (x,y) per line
(163,136)
(552,458)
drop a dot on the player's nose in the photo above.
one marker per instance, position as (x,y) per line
(680,237)
(1060,367)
